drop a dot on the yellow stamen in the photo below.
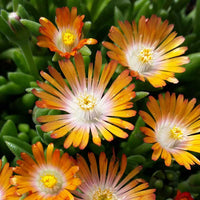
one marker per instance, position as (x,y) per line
(87,102)
(49,181)
(176,133)
(103,195)
(68,38)
(145,55)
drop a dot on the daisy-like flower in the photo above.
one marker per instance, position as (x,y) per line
(183,196)
(150,50)
(175,124)
(103,180)
(50,178)
(68,38)
(88,108)
(7,191)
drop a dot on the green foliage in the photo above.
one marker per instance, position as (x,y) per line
(8,129)
(32,26)
(21,60)
(17,146)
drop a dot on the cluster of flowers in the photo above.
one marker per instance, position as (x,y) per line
(57,176)
(150,51)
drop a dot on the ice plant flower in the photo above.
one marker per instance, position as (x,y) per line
(50,178)
(149,50)
(175,124)
(103,180)
(68,38)
(183,196)
(7,191)
(88,108)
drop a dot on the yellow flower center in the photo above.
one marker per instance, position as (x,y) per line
(145,55)
(68,38)
(103,195)
(176,133)
(49,181)
(87,102)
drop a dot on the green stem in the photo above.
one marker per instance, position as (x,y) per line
(26,49)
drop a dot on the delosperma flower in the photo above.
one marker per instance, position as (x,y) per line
(46,178)
(103,180)
(149,50)
(175,124)
(68,38)
(7,191)
(88,107)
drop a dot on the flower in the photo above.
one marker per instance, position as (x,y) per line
(7,191)
(88,108)
(67,39)
(50,178)
(175,124)
(183,196)
(149,50)
(106,183)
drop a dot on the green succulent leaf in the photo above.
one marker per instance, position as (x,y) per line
(136,137)
(4,161)
(140,95)
(17,146)
(133,161)
(2,80)
(85,51)
(32,26)
(118,16)
(8,128)
(98,7)
(21,11)
(20,78)
(5,28)
(40,133)
(197,16)
(192,72)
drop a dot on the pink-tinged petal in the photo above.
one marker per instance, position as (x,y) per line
(175,130)
(105,178)
(150,50)
(87,107)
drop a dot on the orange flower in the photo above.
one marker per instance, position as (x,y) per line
(49,178)
(88,108)
(149,50)
(183,196)
(7,191)
(104,181)
(68,38)
(175,124)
